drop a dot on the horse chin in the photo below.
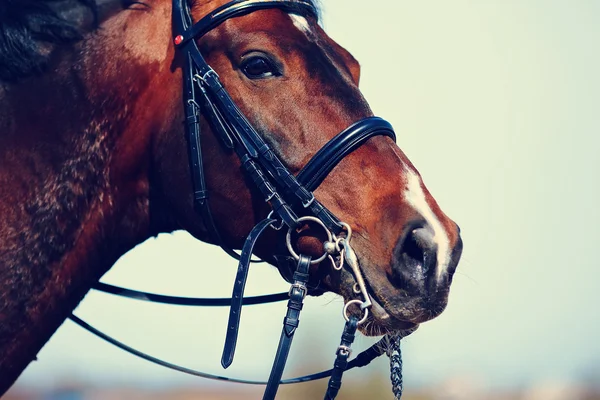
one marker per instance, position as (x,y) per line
(408,311)
(380,322)
(394,312)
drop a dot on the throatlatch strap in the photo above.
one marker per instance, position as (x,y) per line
(237,296)
(298,292)
(341,361)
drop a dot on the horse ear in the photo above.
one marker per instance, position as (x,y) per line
(29,30)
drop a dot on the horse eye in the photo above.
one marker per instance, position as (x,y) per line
(258,67)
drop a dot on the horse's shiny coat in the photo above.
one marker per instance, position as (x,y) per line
(93,161)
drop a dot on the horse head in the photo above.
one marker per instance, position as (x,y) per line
(300,89)
(95,160)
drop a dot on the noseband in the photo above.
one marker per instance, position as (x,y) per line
(290,197)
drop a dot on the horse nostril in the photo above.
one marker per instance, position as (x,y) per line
(415,259)
(413,252)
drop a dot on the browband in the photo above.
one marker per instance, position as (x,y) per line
(239,8)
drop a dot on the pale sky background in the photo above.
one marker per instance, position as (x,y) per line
(497,105)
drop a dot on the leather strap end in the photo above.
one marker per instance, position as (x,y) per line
(226,360)
(237,296)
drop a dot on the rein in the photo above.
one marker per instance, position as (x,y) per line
(287,195)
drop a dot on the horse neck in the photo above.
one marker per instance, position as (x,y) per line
(71,201)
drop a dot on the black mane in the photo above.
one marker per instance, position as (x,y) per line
(28,31)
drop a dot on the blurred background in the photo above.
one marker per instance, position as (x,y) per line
(498,106)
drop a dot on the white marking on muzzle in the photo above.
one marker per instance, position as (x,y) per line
(300,22)
(416,197)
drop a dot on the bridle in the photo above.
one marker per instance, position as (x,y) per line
(288,196)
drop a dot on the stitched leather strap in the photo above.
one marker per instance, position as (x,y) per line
(192,128)
(242,7)
(298,291)
(341,361)
(237,296)
(339,147)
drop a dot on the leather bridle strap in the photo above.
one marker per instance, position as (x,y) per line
(188,301)
(230,123)
(237,296)
(298,292)
(341,361)
(261,163)
(339,147)
(239,8)
(192,128)
(363,359)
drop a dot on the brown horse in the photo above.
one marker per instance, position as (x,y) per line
(93,160)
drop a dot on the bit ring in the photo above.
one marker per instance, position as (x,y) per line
(348,234)
(288,239)
(359,303)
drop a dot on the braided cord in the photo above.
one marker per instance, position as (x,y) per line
(395,355)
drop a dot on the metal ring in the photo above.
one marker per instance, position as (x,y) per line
(288,239)
(337,244)
(359,302)
(334,265)
(348,235)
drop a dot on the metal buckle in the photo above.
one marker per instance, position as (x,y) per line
(193,102)
(309,202)
(301,287)
(203,78)
(344,350)
(277,228)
